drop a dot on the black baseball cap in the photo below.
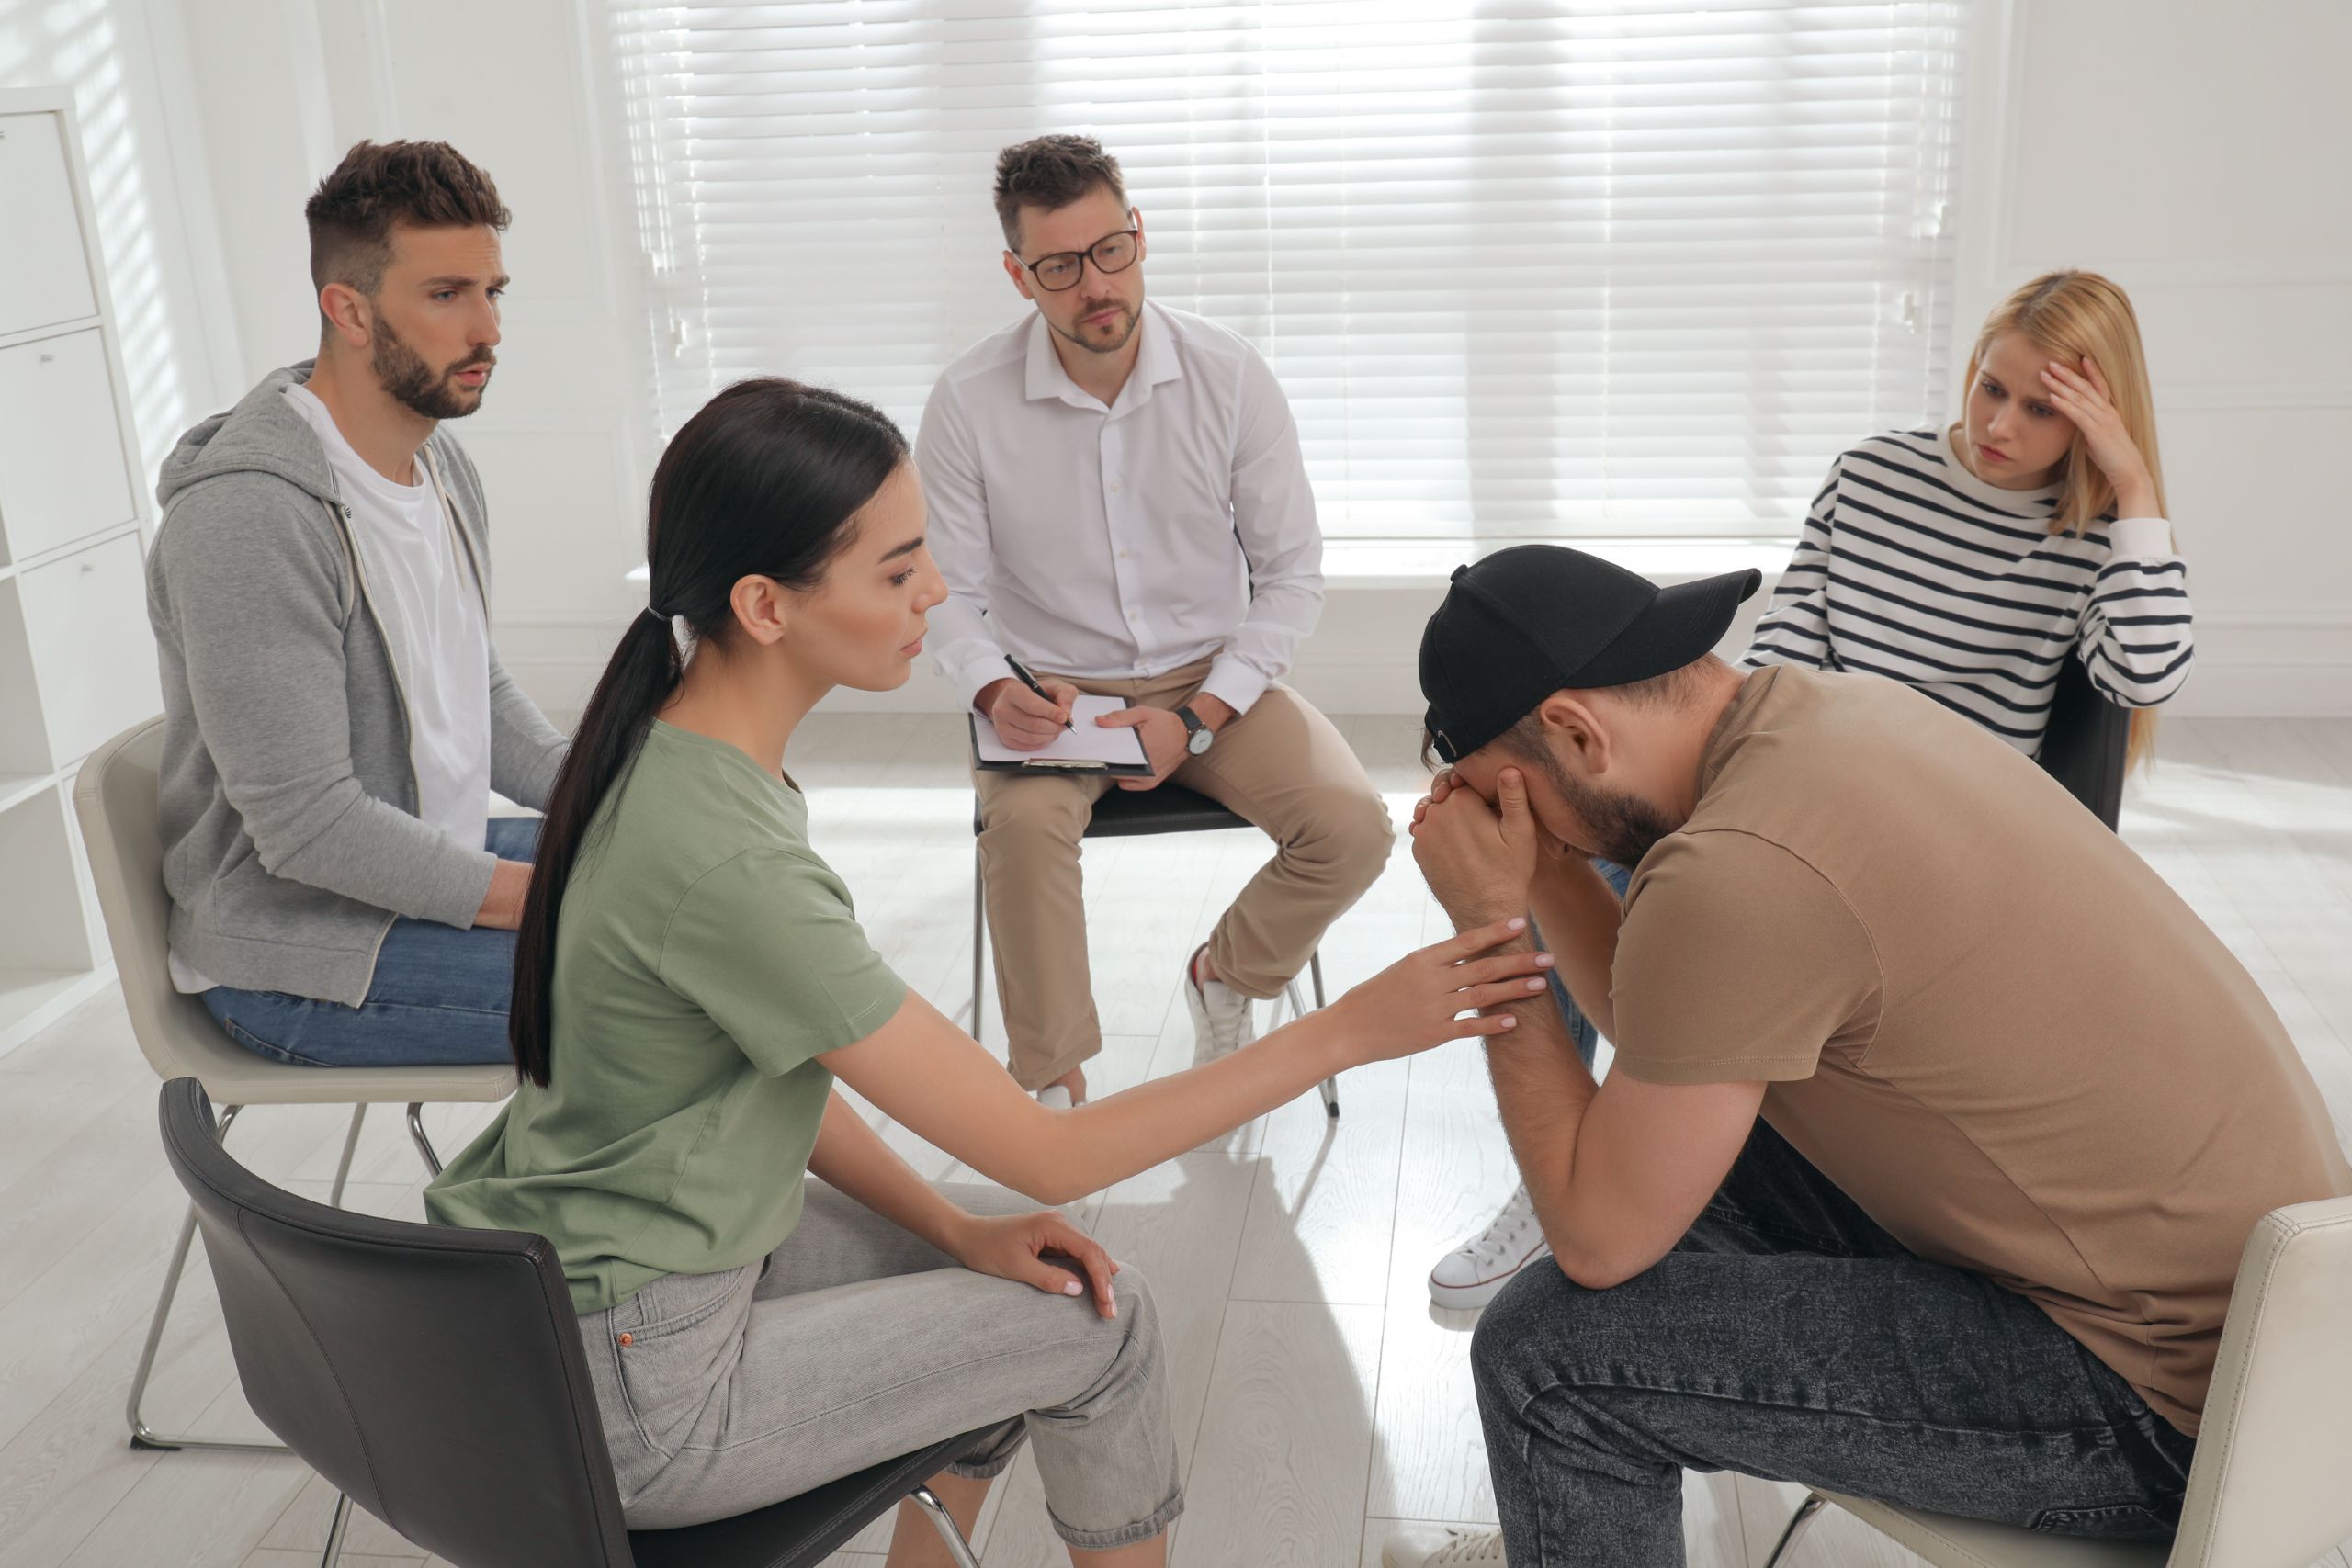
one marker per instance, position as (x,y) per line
(1525,622)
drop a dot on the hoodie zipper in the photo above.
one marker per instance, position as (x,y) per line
(465,542)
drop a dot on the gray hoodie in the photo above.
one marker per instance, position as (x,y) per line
(289,801)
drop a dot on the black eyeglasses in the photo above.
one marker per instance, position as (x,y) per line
(1111,253)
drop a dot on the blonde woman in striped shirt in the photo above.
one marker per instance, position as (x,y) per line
(1971,562)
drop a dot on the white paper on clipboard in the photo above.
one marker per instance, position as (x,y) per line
(1086,743)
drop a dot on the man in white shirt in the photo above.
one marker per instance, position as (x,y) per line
(1118,501)
(335,717)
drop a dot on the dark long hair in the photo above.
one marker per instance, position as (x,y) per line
(761,482)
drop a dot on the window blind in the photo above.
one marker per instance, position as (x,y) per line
(1526,270)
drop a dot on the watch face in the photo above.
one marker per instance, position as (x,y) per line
(1199,741)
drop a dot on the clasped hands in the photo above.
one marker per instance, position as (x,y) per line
(1478,857)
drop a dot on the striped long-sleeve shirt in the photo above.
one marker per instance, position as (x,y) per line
(1913,568)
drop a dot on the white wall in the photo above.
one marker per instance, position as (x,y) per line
(2201,165)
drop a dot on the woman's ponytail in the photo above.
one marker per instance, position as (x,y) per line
(643,671)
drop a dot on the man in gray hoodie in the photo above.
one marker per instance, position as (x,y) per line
(335,715)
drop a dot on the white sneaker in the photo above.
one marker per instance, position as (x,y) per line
(1437,1546)
(1475,1273)
(1223,1019)
(1054,1096)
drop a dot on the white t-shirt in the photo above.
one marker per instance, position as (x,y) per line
(444,639)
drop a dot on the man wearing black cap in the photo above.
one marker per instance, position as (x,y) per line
(1936,1122)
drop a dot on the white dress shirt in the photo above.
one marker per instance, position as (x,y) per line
(1120,542)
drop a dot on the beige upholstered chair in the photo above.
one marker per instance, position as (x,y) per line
(114,796)
(2271,1486)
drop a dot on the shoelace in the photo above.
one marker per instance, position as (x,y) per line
(1466,1548)
(1505,1237)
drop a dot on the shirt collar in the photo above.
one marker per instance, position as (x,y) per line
(1155,361)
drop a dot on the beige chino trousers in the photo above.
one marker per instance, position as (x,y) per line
(1280,766)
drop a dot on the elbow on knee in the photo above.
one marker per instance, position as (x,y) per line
(1594,1273)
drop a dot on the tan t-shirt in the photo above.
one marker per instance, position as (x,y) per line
(1981,1015)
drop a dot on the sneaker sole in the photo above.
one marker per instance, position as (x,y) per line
(1469,1298)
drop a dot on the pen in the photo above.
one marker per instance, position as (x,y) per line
(1031,682)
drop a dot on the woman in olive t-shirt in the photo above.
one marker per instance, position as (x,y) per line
(690,979)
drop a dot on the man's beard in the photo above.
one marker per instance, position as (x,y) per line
(1625,826)
(1094,346)
(411,382)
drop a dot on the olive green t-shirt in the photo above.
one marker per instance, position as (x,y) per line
(705,959)
(1977,1011)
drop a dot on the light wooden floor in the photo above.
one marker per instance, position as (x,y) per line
(1319,1396)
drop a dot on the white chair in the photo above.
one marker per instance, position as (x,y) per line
(2271,1486)
(114,796)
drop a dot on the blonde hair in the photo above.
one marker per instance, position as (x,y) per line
(2069,315)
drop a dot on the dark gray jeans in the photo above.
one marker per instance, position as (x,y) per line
(1788,1337)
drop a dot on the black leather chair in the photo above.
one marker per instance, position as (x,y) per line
(1129,814)
(435,1377)
(2085,744)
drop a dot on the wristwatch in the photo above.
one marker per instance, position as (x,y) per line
(1198,737)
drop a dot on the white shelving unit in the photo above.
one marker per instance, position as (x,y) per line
(77,663)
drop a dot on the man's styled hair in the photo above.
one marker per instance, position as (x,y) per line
(1051,171)
(379,185)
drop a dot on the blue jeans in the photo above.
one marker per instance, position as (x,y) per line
(439,998)
(1581,1033)
(1788,1337)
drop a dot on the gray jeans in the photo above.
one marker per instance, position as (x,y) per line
(854,1342)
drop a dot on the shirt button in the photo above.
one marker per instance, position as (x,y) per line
(1114,490)
(1123,555)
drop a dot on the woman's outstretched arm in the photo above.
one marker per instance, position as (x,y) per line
(935,1080)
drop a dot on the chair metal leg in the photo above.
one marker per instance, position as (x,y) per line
(350,1146)
(141,1436)
(336,1529)
(979,944)
(924,1498)
(1330,1086)
(1798,1523)
(416,1135)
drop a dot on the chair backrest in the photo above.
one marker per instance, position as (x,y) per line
(2085,744)
(2272,1483)
(433,1375)
(114,798)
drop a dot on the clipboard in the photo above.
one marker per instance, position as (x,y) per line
(1088,747)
